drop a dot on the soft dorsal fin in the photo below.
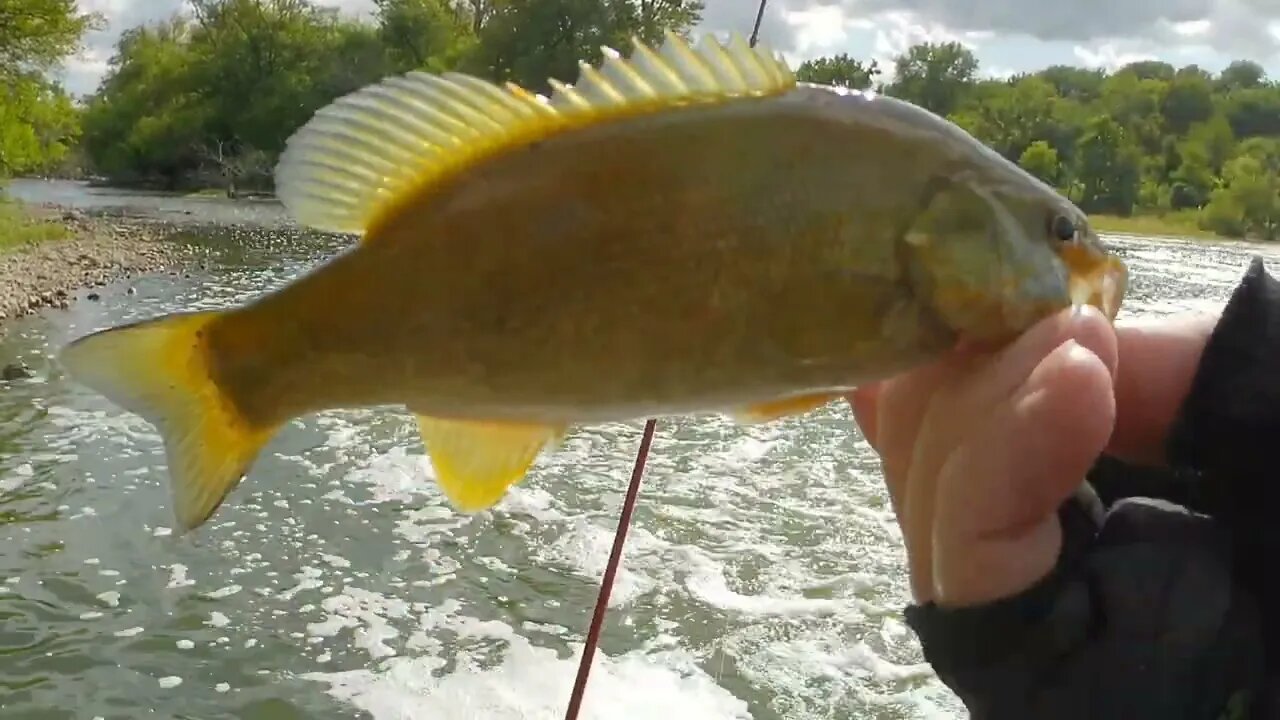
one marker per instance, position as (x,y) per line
(367,150)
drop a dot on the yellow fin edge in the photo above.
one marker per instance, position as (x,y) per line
(786,407)
(157,369)
(357,159)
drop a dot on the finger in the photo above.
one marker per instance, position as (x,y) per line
(1160,361)
(996,531)
(1004,372)
(904,402)
(961,408)
(865,404)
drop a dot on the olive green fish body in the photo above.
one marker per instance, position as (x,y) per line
(658,251)
(683,231)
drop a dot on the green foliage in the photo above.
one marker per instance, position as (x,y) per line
(210,98)
(19,228)
(36,35)
(934,75)
(424,34)
(38,126)
(529,41)
(37,121)
(839,71)
(1148,140)
(1041,160)
(1248,202)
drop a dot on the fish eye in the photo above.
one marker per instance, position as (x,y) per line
(1062,228)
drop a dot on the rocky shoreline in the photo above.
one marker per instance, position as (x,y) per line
(101,248)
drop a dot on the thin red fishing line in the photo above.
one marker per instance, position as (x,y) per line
(610,571)
(620,535)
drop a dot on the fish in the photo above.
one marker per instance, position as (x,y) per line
(688,230)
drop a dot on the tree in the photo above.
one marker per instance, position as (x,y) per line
(210,97)
(1241,75)
(1079,84)
(37,120)
(1216,137)
(1193,180)
(429,34)
(1248,203)
(1010,116)
(532,41)
(35,35)
(1187,100)
(38,126)
(1148,70)
(1041,160)
(840,71)
(1107,168)
(934,75)
(1253,112)
(147,119)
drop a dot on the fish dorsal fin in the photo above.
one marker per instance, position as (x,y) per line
(365,152)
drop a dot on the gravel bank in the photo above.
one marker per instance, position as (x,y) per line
(101,249)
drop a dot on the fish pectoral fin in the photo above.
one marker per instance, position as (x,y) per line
(775,409)
(475,462)
(158,369)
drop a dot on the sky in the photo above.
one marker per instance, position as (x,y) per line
(1008,36)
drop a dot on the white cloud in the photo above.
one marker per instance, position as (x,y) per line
(1007,35)
(1108,56)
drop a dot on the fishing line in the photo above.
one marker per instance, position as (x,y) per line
(610,571)
(620,534)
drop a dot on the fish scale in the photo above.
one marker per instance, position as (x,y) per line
(686,230)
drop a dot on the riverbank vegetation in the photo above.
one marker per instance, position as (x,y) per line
(207,99)
(20,228)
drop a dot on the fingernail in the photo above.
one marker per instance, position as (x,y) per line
(1075,351)
(1085,313)
(1089,328)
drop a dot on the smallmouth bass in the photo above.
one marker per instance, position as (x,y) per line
(686,230)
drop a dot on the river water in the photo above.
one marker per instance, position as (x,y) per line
(763,577)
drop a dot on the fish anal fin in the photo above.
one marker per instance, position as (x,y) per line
(476,462)
(786,407)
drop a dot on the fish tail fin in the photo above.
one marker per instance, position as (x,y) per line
(158,369)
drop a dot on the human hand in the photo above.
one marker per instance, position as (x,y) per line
(979,451)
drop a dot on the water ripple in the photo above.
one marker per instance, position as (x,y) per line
(763,577)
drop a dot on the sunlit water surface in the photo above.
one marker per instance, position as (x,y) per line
(763,576)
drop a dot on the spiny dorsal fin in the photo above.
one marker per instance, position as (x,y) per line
(368,150)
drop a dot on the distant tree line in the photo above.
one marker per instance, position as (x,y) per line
(208,98)
(1147,138)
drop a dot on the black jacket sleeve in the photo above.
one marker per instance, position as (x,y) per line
(1152,610)
(1229,434)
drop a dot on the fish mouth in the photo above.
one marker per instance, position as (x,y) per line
(1097,277)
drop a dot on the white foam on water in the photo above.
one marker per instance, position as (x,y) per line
(706,582)
(430,674)
(531,682)
(764,559)
(178,576)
